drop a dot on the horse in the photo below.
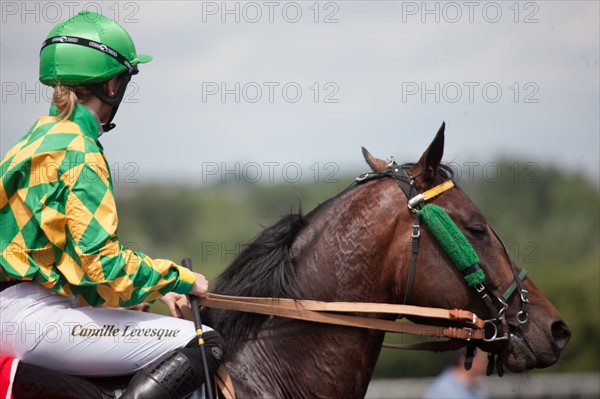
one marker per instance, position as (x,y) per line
(356,247)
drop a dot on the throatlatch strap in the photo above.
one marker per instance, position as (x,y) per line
(453,241)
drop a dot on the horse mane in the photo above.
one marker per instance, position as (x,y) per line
(264,268)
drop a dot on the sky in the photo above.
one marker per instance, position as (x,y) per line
(269,91)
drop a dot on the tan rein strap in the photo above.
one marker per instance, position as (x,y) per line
(320,312)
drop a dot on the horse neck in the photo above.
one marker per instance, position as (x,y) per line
(343,253)
(339,256)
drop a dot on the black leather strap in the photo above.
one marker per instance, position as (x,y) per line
(416,233)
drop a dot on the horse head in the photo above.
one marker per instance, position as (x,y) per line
(534,332)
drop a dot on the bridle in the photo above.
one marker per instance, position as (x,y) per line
(344,313)
(496,305)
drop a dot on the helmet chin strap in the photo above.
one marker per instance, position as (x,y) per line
(114,101)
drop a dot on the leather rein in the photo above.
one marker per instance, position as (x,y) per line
(464,326)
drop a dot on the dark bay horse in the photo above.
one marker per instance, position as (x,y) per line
(357,247)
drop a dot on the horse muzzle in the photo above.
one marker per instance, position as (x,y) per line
(530,346)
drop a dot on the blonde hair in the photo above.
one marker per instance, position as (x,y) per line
(65,98)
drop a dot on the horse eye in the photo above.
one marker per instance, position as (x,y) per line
(477,230)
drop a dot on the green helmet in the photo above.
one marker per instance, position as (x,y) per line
(87,48)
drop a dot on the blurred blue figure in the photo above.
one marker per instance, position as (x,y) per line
(457,383)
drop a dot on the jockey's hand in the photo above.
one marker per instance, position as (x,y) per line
(200,287)
(170,299)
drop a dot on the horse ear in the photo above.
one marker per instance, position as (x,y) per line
(431,158)
(376,164)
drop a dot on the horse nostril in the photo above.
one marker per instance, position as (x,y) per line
(561,333)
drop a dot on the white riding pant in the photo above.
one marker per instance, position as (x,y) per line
(53,331)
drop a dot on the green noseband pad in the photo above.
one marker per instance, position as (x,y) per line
(453,241)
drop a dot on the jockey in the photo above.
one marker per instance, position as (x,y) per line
(61,258)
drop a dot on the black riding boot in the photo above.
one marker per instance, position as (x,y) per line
(172,376)
(34,382)
(177,373)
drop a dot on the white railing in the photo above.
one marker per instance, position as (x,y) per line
(529,386)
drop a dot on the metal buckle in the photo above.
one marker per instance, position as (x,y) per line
(479,288)
(414,201)
(522,317)
(416,231)
(524,293)
(470,330)
(362,177)
(474,321)
(495,336)
(503,309)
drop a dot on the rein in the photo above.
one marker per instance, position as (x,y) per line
(469,325)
